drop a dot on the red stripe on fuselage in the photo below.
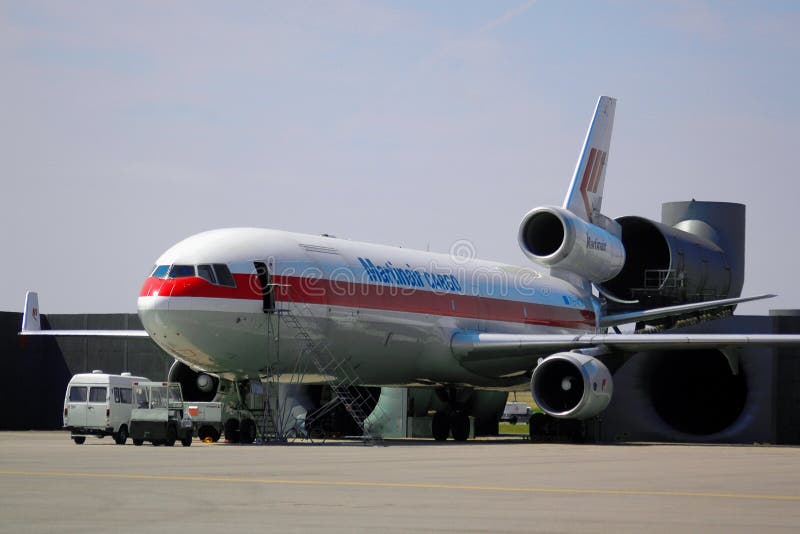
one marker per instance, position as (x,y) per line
(378,297)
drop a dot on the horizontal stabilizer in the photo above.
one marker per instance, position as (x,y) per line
(32,324)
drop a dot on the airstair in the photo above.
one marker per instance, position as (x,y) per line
(342,378)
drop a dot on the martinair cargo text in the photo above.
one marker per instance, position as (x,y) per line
(401,317)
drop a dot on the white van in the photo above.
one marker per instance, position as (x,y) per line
(99,404)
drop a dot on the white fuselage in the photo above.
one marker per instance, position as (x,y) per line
(391,312)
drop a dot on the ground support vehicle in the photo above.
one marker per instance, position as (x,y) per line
(99,404)
(206,420)
(159,415)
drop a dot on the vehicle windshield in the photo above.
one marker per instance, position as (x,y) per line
(158,397)
(175,396)
(140,397)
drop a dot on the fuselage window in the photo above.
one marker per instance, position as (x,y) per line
(181,271)
(224,276)
(160,271)
(206,273)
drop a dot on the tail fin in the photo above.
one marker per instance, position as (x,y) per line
(585,195)
(31,321)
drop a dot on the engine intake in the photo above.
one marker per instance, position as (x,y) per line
(561,240)
(196,386)
(570,385)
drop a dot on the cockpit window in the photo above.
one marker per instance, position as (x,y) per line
(181,271)
(160,271)
(224,276)
(207,273)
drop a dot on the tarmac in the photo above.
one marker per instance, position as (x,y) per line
(47,484)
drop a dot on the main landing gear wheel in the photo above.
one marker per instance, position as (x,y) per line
(247,432)
(232,430)
(440,426)
(459,426)
(79,439)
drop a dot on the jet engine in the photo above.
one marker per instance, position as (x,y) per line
(196,386)
(570,385)
(561,240)
(695,254)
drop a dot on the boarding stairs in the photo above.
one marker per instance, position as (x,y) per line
(343,379)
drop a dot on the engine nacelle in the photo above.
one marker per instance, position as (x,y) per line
(561,240)
(696,253)
(195,385)
(569,385)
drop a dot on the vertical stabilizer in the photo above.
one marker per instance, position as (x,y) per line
(585,195)
(31,321)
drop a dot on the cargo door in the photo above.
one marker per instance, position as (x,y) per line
(96,407)
(266,287)
(76,406)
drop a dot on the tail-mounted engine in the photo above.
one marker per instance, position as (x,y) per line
(561,240)
(570,385)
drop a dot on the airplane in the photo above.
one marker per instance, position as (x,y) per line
(218,302)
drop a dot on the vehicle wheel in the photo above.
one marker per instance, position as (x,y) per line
(187,441)
(247,432)
(440,426)
(513,420)
(232,430)
(121,436)
(208,434)
(459,426)
(79,439)
(157,442)
(138,442)
(172,435)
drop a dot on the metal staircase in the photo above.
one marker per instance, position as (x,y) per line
(343,379)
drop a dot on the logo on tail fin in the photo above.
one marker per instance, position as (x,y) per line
(591,178)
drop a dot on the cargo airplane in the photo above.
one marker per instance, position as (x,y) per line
(217,301)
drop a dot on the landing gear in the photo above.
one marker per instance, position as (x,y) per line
(232,430)
(440,426)
(455,424)
(459,426)
(79,439)
(247,431)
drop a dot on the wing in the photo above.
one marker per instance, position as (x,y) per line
(477,346)
(32,324)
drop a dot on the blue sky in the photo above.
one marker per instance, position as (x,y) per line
(129,126)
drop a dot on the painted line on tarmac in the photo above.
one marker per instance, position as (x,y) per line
(406,485)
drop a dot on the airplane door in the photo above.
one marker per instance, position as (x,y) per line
(76,406)
(267,290)
(96,407)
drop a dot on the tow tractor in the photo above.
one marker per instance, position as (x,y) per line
(158,414)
